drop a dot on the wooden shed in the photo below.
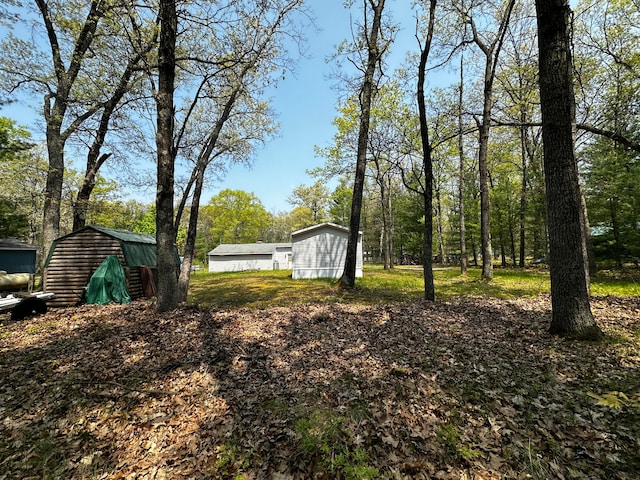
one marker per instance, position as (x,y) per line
(75,257)
(320,251)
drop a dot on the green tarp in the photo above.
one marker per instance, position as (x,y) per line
(108,283)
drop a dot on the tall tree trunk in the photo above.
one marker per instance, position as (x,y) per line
(491,52)
(384,235)
(374,55)
(512,242)
(190,242)
(463,228)
(427,160)
(439,227)
(503,257)
(571,311)
(523,187)
(55,177)
(474,246)
(55,114)
(591,257)
(81,205)
(165,227)
(390,226)
(485,205)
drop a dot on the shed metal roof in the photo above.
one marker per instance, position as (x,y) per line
(13,244)
(319,226)
(125,236)
(139,249)
(122,235)
(227,249)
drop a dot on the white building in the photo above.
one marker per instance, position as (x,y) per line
(320,251)
(250,256)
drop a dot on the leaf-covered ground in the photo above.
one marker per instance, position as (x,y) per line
(469,389)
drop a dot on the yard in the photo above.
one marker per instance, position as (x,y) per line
(273,378)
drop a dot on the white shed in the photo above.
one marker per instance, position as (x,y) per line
(250,256)
(320,251)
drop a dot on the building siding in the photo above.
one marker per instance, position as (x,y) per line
(320,252)
(75,257)
(245,257)
(239,263)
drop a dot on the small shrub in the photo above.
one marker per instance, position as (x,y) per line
(616,400)
(323,436)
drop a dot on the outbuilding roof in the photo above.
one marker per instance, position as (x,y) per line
(139,249)
(126,236)
(319,226)
(227,249)
(13,244)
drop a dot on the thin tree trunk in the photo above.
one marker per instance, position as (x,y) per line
(474,246)
(427,241)
(571,311)
(81,205)
(591,257)
(374,54)
(503,257)
(463,228)
(512,242)
(439,226)
(390,226)
(384,234)
(491,53)
(523,188)
(190,242)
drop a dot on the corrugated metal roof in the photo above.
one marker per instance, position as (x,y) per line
(122,235)
(126,236)
(13,244)
(139,249)
(247,248)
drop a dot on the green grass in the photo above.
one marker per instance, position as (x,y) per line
(271,288)
(624,283)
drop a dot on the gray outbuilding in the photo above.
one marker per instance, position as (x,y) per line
(320,251)
(250,256)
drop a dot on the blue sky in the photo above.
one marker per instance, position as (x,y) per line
(305,103)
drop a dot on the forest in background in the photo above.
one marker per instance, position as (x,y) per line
(606,56)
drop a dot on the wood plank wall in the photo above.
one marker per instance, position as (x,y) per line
(74,261)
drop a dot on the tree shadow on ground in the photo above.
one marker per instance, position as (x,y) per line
(409,390)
